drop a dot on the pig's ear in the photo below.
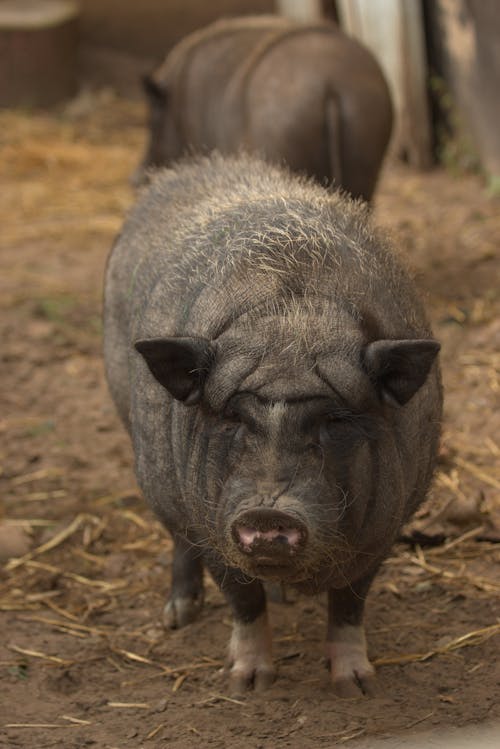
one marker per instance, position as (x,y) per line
(153,90)
(400,368)
(179,364)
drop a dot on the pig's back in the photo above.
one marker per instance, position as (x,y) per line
(218,234)
(198,72)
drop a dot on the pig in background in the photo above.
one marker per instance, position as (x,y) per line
(276,372)
(307,96)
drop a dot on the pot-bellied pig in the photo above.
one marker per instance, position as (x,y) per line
(304,95)
(276,372)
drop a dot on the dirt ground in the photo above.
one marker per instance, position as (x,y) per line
(84,660)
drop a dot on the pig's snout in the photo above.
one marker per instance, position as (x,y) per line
(270,537)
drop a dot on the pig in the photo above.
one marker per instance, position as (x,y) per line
(305,95)
(275,369)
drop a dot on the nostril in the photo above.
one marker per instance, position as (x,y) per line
(287,536)
(248,535)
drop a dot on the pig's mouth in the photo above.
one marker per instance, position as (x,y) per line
(268,568)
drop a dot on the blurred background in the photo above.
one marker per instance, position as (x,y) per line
(441,57)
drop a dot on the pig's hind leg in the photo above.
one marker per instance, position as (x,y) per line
(186,596)
(351,672)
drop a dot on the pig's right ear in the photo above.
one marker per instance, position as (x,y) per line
(153,90)
(399,368)
(181,365)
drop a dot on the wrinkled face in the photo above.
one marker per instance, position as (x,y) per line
(291,467)
(294,482)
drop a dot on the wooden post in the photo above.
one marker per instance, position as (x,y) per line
(38,52)
(470,36)
(393,30)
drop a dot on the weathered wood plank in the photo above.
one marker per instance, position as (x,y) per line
(393,30)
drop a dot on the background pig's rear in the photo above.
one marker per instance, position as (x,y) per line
(307,96)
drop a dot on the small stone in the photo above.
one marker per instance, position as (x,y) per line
(161,705)
(14,541)
(424,586)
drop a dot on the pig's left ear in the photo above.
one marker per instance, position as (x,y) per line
(399,368)
(153,90)
(179,364)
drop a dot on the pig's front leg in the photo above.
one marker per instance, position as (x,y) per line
(186,595)
(351,672)
(250,658)
(250,661)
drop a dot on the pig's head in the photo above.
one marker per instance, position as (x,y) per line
(297,438)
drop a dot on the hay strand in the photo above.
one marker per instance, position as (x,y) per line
(43,473)
(127,705)
(479,473)
(55,541)
(37,654)
(101,584)
(37,725)
(476,637)
(78,721)
(155,731)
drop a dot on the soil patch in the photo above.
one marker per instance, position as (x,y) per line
(84,660)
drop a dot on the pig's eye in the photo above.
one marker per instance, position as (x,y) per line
(342,428)
(337,428)
(231,415)
(231,421)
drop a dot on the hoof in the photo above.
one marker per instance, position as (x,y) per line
(250,663)
(243,677)
(351,672)
(355,685)
(179,612)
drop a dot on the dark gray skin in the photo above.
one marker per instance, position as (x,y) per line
(276,372)
(303,95)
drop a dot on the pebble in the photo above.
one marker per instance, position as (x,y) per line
(14,541)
